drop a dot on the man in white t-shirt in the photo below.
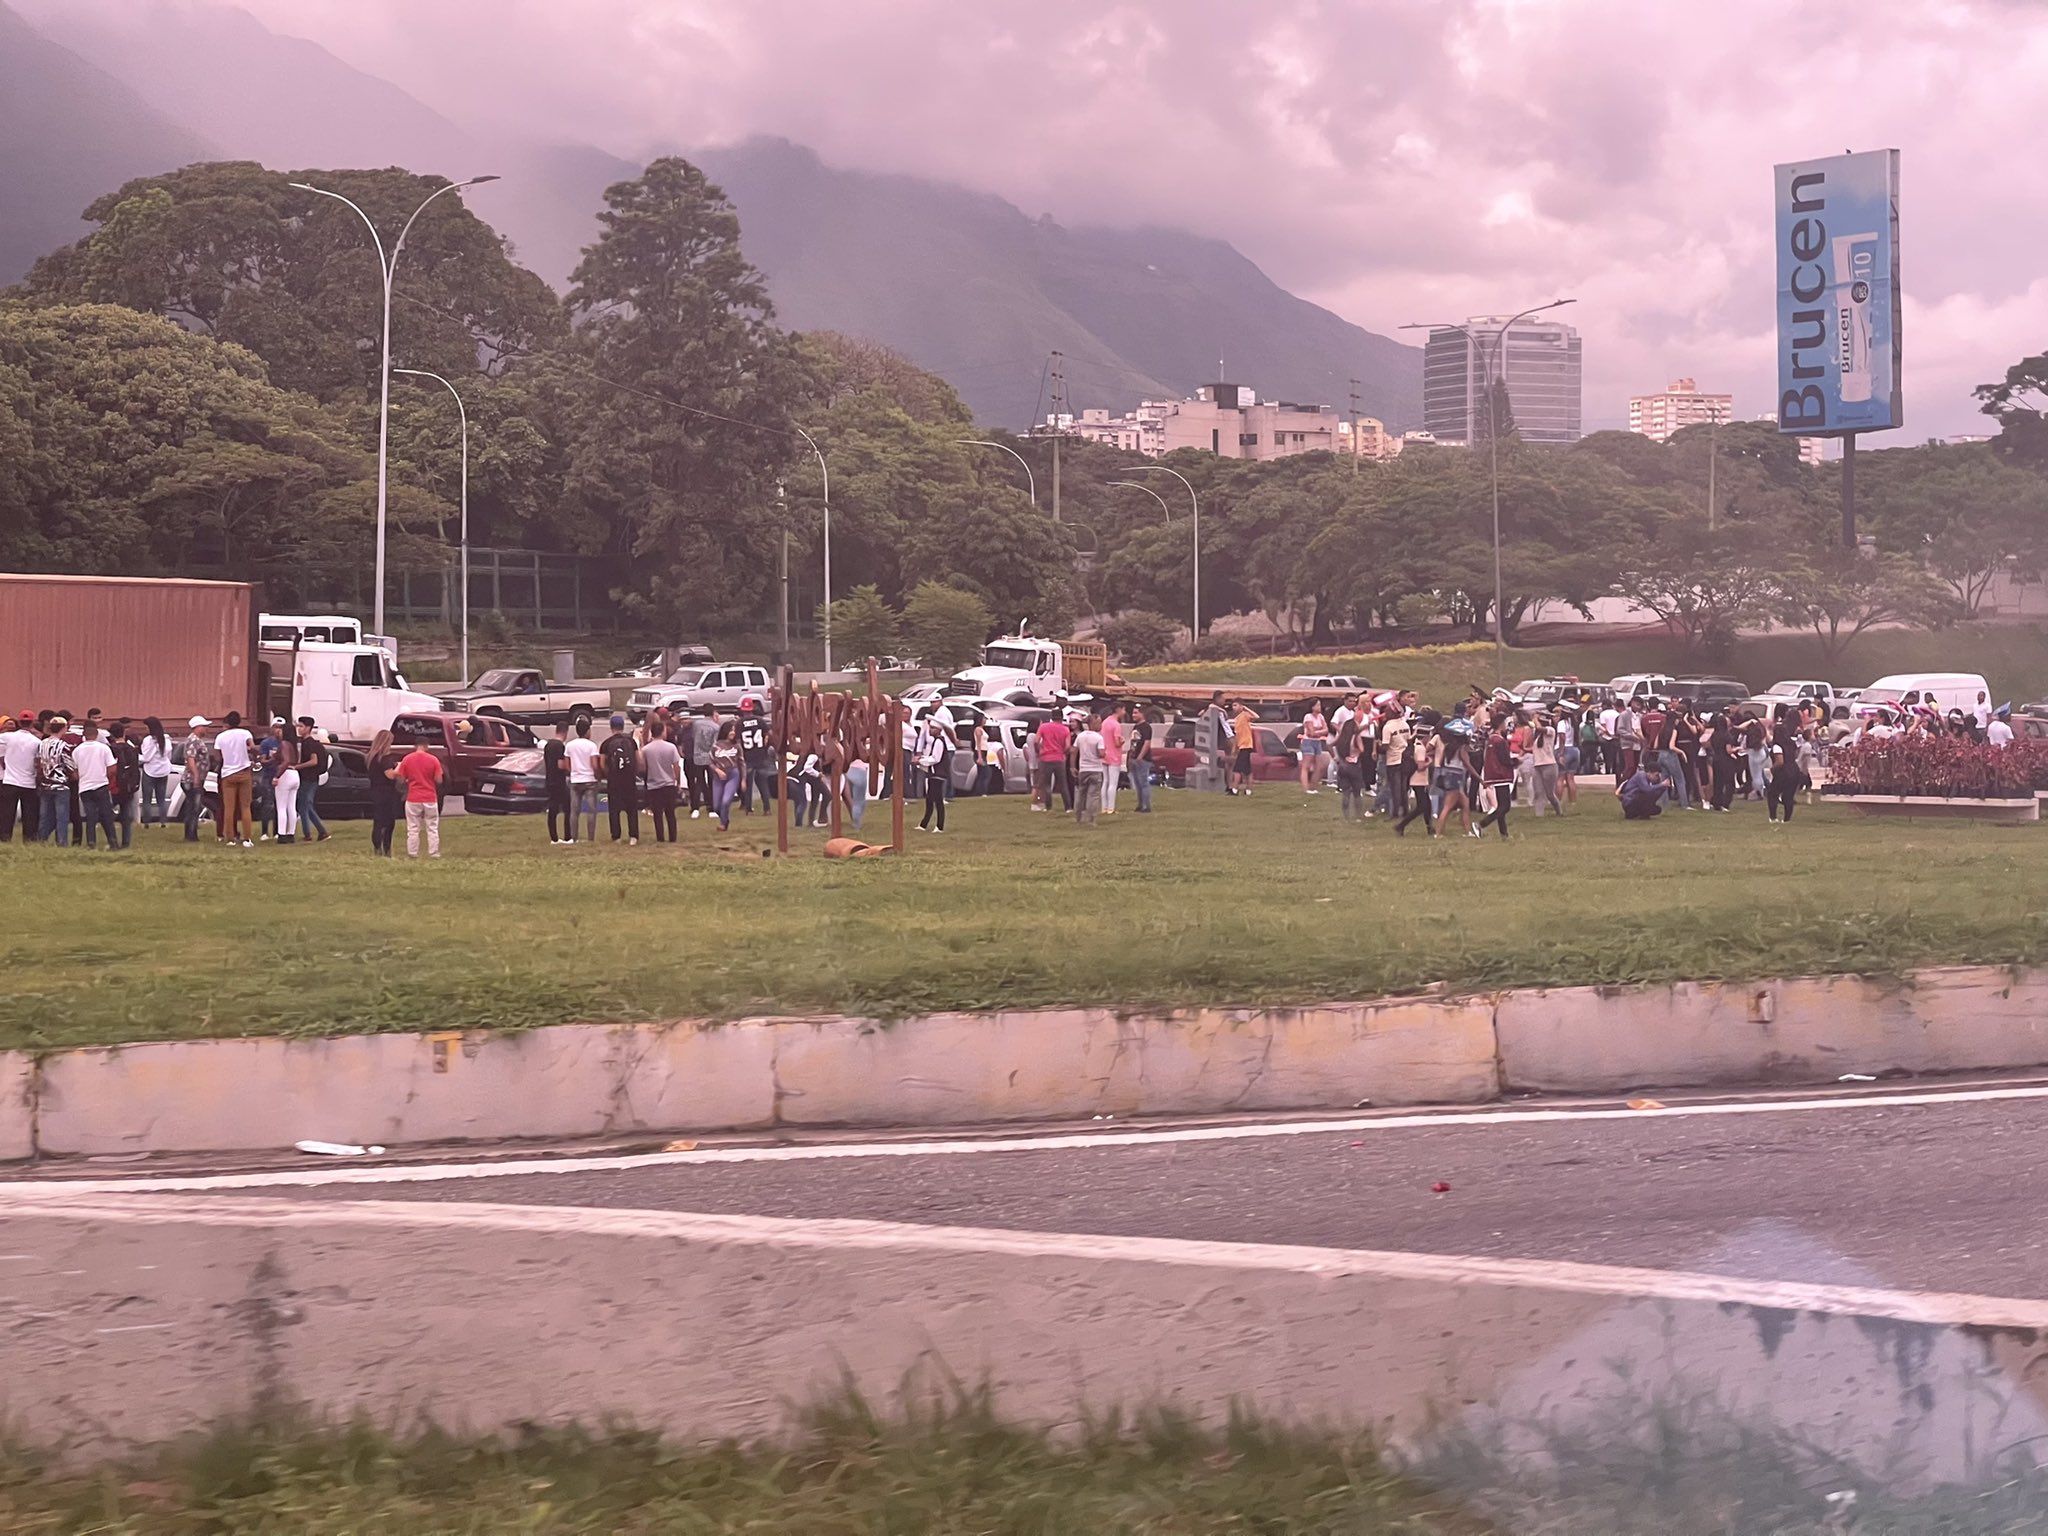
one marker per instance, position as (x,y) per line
(18,745)
(94,761)
(584,757)
(237,751)
(1998,732)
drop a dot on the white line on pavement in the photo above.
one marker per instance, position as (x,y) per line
(434,1173)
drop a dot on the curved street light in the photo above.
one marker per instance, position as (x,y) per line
(1132,485)
(825,476)
(463,413)
(1030,479)
(388,265)
(1194,634)
(1496,381)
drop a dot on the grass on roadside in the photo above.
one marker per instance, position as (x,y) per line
(1208,900)
(960,1473)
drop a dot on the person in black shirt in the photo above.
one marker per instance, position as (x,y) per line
(620,755)
(555,764)
(312,757)
(755,754)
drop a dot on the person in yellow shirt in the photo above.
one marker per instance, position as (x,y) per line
(1241,735)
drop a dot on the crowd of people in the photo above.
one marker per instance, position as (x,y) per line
(1389,757)
(92,782)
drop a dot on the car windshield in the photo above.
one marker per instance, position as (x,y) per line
(1784,690)
(686,677)
(1881,696)
(518,762)
(498,680)
(1017,658)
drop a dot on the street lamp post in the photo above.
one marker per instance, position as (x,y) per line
(1132,485)
(1194,634)
(1496,381)
(462,412)
(825,477)
(388,264)
(1030,479)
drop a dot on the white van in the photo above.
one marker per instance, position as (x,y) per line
(351,691)
(1943,690)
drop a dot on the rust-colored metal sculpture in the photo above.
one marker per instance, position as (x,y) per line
(840,728)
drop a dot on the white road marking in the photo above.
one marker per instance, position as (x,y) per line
(1448,1272)
(436,1173)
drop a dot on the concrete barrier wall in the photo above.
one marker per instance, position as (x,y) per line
(962,1069)
(130,1320)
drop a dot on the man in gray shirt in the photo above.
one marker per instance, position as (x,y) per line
(703,737)
(663,767)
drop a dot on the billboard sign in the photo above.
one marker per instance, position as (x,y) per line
(1837,231)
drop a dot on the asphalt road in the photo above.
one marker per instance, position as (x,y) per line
(1945,1197)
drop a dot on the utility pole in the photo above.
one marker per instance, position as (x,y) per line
(1849,491)
(782,573)
(1713,462)
(1354,426)
(1059,409)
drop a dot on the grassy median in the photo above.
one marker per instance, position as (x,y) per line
(850,1476)
(1208,899)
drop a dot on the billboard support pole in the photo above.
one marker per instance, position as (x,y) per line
(1849,491)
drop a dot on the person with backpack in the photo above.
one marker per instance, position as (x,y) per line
(621,758)
(125,740)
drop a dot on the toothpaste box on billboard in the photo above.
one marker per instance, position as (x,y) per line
(1838,295)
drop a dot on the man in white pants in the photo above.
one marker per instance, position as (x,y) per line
(1112,757)
(420,772)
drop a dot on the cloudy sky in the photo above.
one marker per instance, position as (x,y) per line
(1396,160)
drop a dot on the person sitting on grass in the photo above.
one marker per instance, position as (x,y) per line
(1642,794)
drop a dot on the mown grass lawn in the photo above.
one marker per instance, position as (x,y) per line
(1208,899)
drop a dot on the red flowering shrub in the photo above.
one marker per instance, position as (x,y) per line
(1938,765)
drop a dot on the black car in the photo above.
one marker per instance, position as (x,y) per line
(515,783)
(1710,693)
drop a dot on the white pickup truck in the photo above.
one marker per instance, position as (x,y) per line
(1796,690)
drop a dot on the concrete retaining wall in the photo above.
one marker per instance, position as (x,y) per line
(132,1320)
(960,1069)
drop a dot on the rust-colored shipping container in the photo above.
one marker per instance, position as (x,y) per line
(132,646)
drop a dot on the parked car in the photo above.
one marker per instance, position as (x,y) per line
(1642,685)
(1542,692)
(1339,683)
(344,789)
(922,693)
(1796,690)
(515,783)
(463,743)
(689,689)
(1710,693)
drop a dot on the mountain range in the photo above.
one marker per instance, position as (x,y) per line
(962,282)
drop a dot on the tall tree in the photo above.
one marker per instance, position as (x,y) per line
(235,252)
(2019,403)
(681,454)
(129,445)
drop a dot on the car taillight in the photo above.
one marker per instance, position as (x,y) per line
(517,789)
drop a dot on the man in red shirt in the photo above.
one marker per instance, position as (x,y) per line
(1054,740)
(420,772)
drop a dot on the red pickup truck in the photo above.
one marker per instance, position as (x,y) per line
(464,743)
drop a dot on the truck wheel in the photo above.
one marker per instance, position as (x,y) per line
(580,717)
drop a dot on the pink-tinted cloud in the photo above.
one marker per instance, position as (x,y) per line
(1395,160)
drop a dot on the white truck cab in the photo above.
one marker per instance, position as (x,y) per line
(329,628)
(351,691)
(1012,665)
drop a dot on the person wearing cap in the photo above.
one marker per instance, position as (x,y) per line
(621,756)
(194,759)
(55,775)
(18,744)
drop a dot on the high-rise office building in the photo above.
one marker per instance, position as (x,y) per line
(1682,404)
(1541,366)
